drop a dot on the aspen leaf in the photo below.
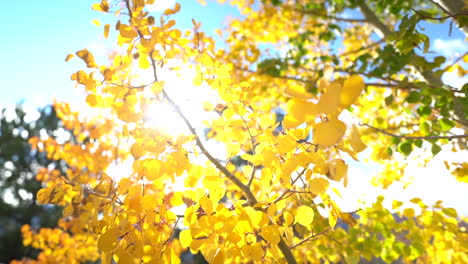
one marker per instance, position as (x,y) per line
(301,110)
(153,169)
(91,100)
(291,122)
(271,234)
(219,257)
(330,99)
(87,57)
(143,62)
(297,91)
(43,196)
(69,57)
(352,88)
(106,30)
(96,22)
(198,80)
(355,140)
(81,77)
(106,257)
(127,32)
(318,185)
(185,238)
(305,215)
(102,7)
(329,133)
(137,151)
(348,219)
(108,241)
(157,87)
(288,218)
(338,169)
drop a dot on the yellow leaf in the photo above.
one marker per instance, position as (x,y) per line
(91,100)
(198,80)
(396,204)
(348,219)
(271,234)
(43,196)
(352,88)
(355,140)
(297,91)
(330,99)
(69,57)
(96,22)
(305,215)
(338,169)
(127,31)
(329,133)
(102,7)
(157,87)
(288,218)
(318,185)
(286,143)
(153,169)
(106,30)
(106,258)
(109,240)
(206,205)
(87,57)
(137,151)
(301,110)
(143,62)
(81,77)
(185,238)
(219,257)
(291,122)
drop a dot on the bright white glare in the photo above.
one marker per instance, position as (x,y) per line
(188,97)
(9,198)
(161,5)
(430,183)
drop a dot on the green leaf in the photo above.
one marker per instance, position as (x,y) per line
(446,124)
(413,97)
(450,212)
(389,151)
(424,111)
(425,127)
(435,149)
(389,100)
(405,148)
(418,143)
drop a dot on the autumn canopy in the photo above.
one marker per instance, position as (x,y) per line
(297,89)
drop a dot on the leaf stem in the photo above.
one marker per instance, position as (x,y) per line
(414,137)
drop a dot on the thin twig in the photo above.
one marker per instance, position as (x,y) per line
(318,14)
(292,183)
(456,61)
(362,48)
(252,175)
(414,137)
(438,18)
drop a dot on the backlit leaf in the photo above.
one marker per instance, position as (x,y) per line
(329,133)
(352,88)
(109,240)
(305,215)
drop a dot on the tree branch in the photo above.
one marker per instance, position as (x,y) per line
(452,7)
(414,137)
(428,75)
(318,14)
(438,18)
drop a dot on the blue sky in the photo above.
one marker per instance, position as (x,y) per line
(38,35)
